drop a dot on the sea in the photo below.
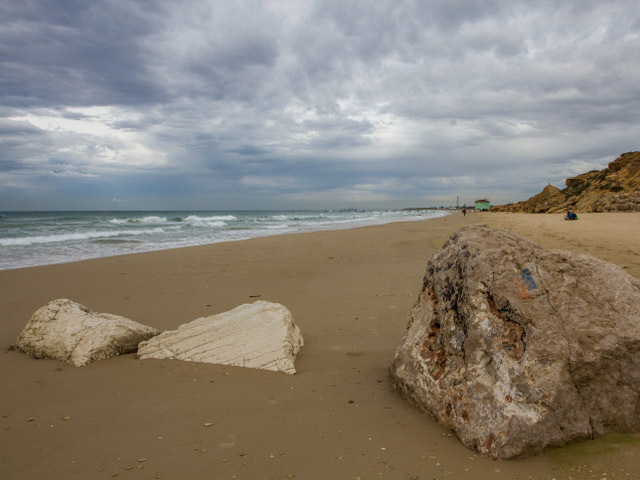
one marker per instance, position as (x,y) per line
(41,238)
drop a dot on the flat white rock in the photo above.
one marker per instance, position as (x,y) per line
(258,335)
(65,330)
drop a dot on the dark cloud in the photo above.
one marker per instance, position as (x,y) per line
(211,104)
(75,53)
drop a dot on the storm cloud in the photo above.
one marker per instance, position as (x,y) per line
(323,104)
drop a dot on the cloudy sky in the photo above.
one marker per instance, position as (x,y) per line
(219,104)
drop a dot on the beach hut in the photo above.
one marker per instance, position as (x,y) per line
(482,205)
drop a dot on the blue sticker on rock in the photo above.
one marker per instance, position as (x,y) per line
(528,279)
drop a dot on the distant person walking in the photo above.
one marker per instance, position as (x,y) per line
(464,212)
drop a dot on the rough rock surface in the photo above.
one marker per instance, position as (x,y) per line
(545,200)
(517,348)
(613,189)
(258,335)
(65,330)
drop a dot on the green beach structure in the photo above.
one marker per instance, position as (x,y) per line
(482,205)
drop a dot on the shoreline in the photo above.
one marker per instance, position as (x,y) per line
(31,241)
(349,292)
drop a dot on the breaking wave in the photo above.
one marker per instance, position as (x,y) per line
(73,237)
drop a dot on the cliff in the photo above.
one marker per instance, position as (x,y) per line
(613,189)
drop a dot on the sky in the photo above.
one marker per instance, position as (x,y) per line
(219,105)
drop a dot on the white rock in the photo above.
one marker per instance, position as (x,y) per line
(258,335)
(65,330)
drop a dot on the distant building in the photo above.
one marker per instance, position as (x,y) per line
(483,205)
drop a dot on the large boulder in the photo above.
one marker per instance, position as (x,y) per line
(517,348)
(258,335)
(65,330)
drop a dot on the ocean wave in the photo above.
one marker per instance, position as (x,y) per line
(194,220)
(282,226)
(295,217)
(114,241)
(148,219)
(214,221)
(214,218)
(71,237)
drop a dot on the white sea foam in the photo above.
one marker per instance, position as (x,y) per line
(150,219)
(197,218)
(215,221)
(70,237)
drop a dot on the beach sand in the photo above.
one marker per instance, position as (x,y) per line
(338,418)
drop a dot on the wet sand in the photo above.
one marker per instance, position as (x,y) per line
(350,293)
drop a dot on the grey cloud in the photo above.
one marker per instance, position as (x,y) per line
(10,129)
(21,146)
(318,99)
(74,53)
(144,122)
(248,150)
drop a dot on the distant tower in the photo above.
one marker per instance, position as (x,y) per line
(457,201)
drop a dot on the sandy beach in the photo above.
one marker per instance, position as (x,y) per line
(349,291)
